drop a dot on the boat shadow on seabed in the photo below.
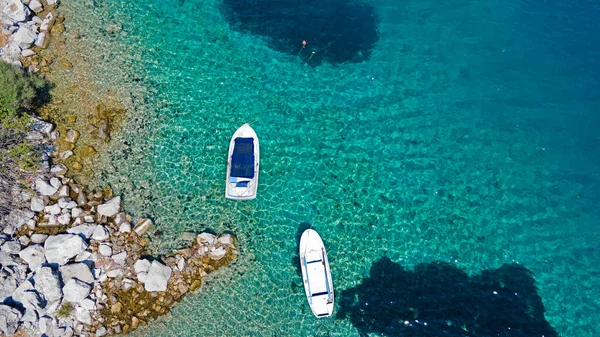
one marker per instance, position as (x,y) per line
(439,300)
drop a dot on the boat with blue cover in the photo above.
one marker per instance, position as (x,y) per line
(316,274)
(242,165)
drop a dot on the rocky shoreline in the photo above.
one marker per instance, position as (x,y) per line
(72,262)
(78,266)
(74,265)
(26,29)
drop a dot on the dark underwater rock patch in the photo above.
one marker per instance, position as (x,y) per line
(438,299)
(335,31)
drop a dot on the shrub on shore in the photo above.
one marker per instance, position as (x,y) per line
(19,93)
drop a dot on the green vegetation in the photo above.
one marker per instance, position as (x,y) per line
(18,94)
(65,310)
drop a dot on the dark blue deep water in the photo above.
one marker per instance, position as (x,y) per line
(448,152)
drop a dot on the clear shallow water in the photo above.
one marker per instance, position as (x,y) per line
(474,144)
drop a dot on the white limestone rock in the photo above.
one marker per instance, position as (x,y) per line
(45,325)
(64,191)
(128,283)
(76,212)
(47,283)
(83,256)
(158,277)
(30,315)
(101,331)
(88,304)
(24,37)
(142,266)
(120,258)
(59,169)
(111,207)
(83,315)
(206,239)
(39,238)
(225,239)
(34,256)
(11,247)
(114,273)
(16,11)
(44,188)
(64,219)
(27,52)
(105,250)
(120,218)
(181,263)
(84,230)
(42,40)
(24,240)
(100,233)
(9,319)
(125,227)
(76,290)
(8,283)
(36,6)
(37,204)
(218,253)
(28,296)
(55,182)
(52,209)
(60,248)
(80,271)
(63,202)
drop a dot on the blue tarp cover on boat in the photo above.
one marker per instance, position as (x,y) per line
(242,160)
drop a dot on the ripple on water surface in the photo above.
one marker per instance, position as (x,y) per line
(421,150)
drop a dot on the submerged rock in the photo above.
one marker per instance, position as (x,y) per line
(72,136)
(142,226)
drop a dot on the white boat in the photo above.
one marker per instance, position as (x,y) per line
(242,165)
(316,274)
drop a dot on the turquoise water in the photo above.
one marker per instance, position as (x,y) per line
(467,135)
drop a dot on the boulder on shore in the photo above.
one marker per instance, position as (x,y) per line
(60,248)
(9,319)
(111,207)
(16,11)
(158,277)
(76,290)
(44,188)
(80,271)
(47,283)
(34,256)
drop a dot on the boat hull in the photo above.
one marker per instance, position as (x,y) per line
(243,163)
(316,274)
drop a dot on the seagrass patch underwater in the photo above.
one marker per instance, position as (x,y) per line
(334,31)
